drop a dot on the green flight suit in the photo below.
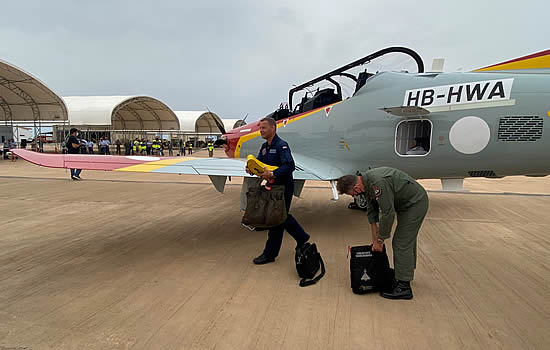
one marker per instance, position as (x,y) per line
(389,192)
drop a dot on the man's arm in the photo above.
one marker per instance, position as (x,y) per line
(384,197)
(287,166)
(373,211)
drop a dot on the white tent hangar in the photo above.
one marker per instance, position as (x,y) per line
(231,124)
(24,98)
(121,113)
(200,122)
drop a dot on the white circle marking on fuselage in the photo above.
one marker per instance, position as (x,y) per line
(470,135)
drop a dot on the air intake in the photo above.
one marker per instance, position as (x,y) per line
(520,128)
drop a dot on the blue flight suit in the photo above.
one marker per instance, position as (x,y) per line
(278,154)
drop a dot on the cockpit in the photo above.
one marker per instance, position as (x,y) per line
(347,80)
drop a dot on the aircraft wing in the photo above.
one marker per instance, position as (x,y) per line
(167,165)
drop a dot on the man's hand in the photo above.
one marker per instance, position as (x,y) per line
(267,174)
(248,170)
(377,247)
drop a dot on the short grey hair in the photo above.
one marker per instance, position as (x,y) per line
(345,184)
(270,120)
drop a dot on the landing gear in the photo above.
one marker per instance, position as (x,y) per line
(359,202)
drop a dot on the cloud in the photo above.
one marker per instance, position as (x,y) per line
(239,57)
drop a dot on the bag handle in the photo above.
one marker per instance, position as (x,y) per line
(305,283)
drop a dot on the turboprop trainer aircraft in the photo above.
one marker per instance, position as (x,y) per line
(491,122)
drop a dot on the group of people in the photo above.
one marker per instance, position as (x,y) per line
(156,146)
(389,192)
(87,146)
(138,146)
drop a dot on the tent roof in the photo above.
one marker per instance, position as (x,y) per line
(25,98)
(199,121)
(121,112)
(231,124)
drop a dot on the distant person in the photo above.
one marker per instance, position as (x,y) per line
(24,143)
(118,151)
(149,146)
(83,146)
(210,149)
(182,148)
(170,150)
(90,146)
(73,147)
(107,144)
(6,148)
(190,149)
(143,147)
(156,146)
(101,145)
(13,145)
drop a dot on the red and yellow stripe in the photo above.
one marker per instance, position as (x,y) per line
(535,61)
(280,124)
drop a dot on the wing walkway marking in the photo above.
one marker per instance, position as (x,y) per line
(151,166)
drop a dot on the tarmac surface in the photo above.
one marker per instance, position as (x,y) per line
(159,261)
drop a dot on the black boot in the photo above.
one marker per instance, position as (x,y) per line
(401,290)
(263,259)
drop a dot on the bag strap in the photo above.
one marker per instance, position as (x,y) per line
(305,283)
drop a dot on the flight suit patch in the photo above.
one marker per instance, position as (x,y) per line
(272,151)
(377,192)
(263,152)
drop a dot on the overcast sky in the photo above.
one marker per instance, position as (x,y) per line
(239,57)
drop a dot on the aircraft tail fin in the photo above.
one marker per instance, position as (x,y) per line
(535,63)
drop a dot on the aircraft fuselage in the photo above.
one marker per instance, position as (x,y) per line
(479,124)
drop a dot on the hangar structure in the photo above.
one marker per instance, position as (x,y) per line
(24,99)
(123,117)
(205,122)
(128,117)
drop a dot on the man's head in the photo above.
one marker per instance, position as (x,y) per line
(268,128)
(73,131)
(350,184)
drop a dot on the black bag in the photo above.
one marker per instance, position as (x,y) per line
(308,261)
(370,271)
(265,208)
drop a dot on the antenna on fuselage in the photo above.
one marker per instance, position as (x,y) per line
(437,65)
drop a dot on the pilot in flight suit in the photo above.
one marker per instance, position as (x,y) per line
(277,153)
(391,191)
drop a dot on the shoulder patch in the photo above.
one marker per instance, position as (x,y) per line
(263,151)
(377,192)
(284,147)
